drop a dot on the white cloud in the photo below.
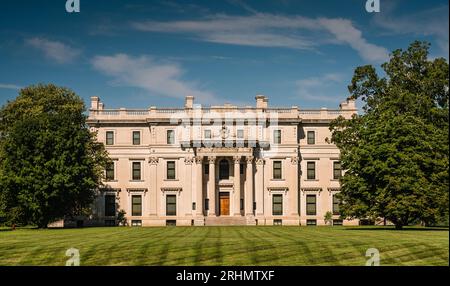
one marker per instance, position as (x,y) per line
(269,30)
(146,73)
(9,86)
(317,88)
(431,22)
(54,50)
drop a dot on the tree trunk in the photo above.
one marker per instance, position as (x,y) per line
(398,226)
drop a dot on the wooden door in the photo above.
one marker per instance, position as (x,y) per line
(224,203)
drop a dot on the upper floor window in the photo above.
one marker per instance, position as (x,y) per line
(277,204)
(337,170)
(136,205)
(241,169)
(170,137)
(311,205)
(240,134)
(110,205)
(206,166)
(136,171)
(207,134)
(311,170)
(311,137)
(110,171)
(171,170)
(109,137)
(224,169)
(277,136)
(277,170)
(136,138)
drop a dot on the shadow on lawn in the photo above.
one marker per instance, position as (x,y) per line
(443,228)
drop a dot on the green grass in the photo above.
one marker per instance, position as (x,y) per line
(225,246)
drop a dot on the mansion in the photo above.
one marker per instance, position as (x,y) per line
(219,165)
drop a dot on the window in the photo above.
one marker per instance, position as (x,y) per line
(241,168)
(170,170)
(110,171)
(194,206)
(311,137)
(136,205)
(136,176)
(242,205)
(171,205)
(110,205)
(206,204)
(206,168)
(224,169)
(337,170)
(170,137)
(277,136)
(311,205)
(109,137)
(337,222)
(277,204)
(277,222)
(208,134)
(136,137)
(277,169)
(136,223)
(171,222)
(240,134)
(311,170)
(311,222)
(335,205)
(110,222)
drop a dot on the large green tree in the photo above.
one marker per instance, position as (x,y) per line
(396,152)
(50,162)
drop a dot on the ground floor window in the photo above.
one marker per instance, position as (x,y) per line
(311,222)
(277,205)
(110,222)
(136,205)
(206,204)
(110,205)
(335,205)
(277,222)
(171,205)
(337,221)
(136,222)
(311,205)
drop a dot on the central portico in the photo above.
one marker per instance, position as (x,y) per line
(228,183)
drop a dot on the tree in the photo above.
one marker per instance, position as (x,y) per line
(396,153)
(50,162)
(328,218)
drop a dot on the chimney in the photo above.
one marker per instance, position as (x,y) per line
(261,101)
(95,100)
(189,102)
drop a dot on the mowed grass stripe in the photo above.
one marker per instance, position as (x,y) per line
(231,245)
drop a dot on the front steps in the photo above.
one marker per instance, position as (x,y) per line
(225,220)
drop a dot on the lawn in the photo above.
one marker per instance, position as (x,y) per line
(225,246)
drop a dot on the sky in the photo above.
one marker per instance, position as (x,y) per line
(141,53)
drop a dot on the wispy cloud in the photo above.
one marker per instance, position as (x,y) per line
(159,79)
(54,50)
(9,86)
(269,30)
(430,22)
(321,88)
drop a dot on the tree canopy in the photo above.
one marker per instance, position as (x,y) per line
(50,162)
(396,152)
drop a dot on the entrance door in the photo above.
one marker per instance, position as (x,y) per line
(224,199)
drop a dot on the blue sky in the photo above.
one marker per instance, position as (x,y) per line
(140,53)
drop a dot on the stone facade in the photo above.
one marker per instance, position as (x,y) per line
(218,165)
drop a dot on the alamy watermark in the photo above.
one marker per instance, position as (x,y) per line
(73,6)
(74,255)
(373,6)
(374,257)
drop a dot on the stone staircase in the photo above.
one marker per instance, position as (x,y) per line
(224,220)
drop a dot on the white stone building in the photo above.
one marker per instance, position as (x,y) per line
(219,165)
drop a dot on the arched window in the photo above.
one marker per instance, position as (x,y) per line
(224,170)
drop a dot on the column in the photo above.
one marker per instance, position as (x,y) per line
(293,190)
(259,187)
(212,186)
(188,191)
(248,196)
(198,186)
(237,186)
(153,195)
